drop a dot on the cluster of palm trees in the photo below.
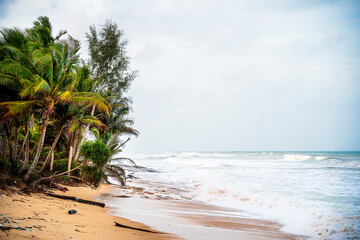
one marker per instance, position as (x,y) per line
(49,103)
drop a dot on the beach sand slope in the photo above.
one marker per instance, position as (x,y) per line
(47,218)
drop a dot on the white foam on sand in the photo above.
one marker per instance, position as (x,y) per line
(309,193)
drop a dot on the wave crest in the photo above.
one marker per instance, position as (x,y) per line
(296,157)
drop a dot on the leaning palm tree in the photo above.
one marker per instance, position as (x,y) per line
(45,73)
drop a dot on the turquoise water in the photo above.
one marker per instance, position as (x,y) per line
(316,194)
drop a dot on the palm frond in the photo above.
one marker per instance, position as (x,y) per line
(60,34)
(9,82)
(42,86)
(99,105)
(122,160)
(65,97)
(93,122)
(74,126)
(46,61)
(117,172)
(11,67)
(19,55)
(18,107)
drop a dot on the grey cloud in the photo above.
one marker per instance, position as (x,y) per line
(231,75)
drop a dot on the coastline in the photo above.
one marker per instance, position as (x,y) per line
(189,219)
(49,219)
(171,219)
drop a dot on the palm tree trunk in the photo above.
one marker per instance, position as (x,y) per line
(16,144)
(52,161)
(77,155)
(31,171)
(50,154)
(3,147)
(9,145)
(24,142)
(73,147)
(27,145)
(70,158)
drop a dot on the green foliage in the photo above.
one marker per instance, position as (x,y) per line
(4,164)
(92,174)
(116,172)
(42,78)
(109,62)
(61,165)
(99,154)
(96,151)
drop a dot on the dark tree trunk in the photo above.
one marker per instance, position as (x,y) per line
(9,148)
(50,154)
(30,126)
(31,171)
(15,150)
(77,154)
(71,155)
(26,146)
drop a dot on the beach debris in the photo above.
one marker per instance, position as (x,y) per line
(4,228)
(99,204)
(138,229)
(76,225)
(14,227)
(72,211)
(123,196)
(38,227)
(40,219)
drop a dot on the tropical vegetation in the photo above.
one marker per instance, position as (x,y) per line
(52,100)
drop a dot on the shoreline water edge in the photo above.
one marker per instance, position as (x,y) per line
(200,196)
(309,195)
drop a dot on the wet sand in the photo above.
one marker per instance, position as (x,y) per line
(173,219)
(188,219)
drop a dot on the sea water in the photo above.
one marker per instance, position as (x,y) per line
(316,194)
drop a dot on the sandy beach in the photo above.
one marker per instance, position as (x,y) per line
(48,218)
(187,219)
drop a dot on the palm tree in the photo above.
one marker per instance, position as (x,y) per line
(45,71)
(98,155)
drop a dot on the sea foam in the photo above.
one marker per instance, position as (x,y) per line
(313,194)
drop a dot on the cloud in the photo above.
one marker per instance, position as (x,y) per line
(230,75)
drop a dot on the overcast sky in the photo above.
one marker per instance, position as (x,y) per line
(229,75)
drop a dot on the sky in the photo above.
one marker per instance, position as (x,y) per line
(221,75)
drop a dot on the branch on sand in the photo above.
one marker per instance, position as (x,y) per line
(35,183)
(138,229)
(99,204)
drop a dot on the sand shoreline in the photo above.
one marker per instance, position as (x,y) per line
(48,218)
(191,220)
(93,222)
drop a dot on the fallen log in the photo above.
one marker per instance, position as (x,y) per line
(138,229)
(99,204)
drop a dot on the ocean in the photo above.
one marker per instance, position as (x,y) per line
(316,194)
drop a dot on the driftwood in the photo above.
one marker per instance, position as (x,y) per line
(99,204)
(138,229)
